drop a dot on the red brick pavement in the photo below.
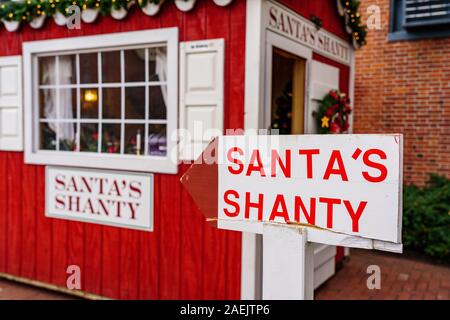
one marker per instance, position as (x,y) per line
(402,278)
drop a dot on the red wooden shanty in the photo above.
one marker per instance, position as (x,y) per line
(106,96)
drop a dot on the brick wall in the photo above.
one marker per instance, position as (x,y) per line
(404,87)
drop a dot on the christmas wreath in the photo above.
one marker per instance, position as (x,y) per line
(333,114)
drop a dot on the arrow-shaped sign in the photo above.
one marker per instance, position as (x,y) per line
(345,188)
(201,182)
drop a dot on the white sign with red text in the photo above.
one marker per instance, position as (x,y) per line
(98,196)
(347,184)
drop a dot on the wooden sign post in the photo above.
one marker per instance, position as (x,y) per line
(332,189)
(288,263)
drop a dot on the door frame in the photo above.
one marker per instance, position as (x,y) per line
(274,40)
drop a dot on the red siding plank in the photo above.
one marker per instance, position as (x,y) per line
(149,270)
(92,262)
(214,263)
(43,230)
(75,254)
(129,257)
(192,247)
(172,17)
(170,232)
(29,221)
(195,22)
(14,212)
(233,265)
(3,210)
(110,266)
(59,251)
(236,50)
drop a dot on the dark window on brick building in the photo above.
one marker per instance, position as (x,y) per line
(419,19)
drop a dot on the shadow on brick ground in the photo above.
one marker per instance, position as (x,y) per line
(402,278)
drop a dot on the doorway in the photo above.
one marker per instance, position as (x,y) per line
(287,101)
(286,78)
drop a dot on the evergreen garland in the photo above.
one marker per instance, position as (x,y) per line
(29,9)
(350,10)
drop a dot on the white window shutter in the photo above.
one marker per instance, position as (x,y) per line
(11,135)
(201,95)
(323,78)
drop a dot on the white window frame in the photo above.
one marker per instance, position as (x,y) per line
(144,163)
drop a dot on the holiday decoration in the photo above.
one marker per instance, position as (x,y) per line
(333,114)
(349,10)
(110,141)
(89,139)
(150,8)
(134,144)
(13,12)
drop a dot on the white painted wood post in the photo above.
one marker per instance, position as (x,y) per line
(288,266)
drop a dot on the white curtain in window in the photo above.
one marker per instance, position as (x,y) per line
(49,77)
(67,130)
(161,70)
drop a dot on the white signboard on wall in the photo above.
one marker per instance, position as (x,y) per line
(99,196)
(346,184)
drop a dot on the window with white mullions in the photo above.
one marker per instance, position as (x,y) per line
(121,99)
(116,101)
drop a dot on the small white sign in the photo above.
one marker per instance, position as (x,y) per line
(348,184)
(99,196)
